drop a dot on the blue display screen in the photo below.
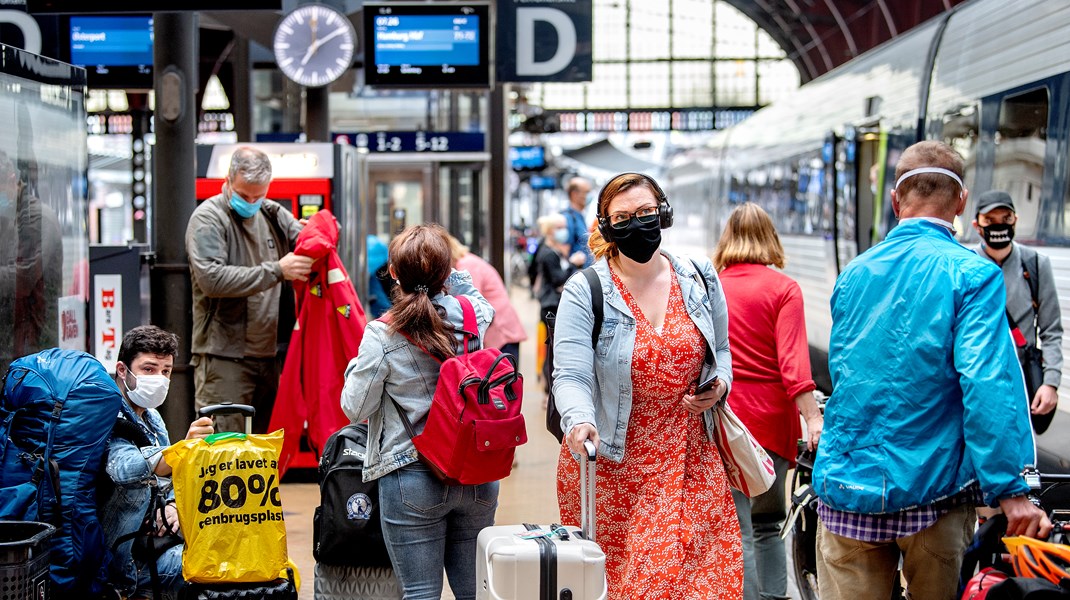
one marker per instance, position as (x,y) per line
(527,157)
(431,45)
(112,41)
(402,40)
(539,182)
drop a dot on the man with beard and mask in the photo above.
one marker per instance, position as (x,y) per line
(136,468)
(665,516)
(1032,302)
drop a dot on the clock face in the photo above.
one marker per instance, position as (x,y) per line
(314,45)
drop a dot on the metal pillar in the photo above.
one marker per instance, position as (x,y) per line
(498,142)
(175,67)
(317,114)
(241,102)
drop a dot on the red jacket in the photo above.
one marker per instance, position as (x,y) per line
(330,325)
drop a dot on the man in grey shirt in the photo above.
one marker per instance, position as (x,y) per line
(1025,270)
(239,246)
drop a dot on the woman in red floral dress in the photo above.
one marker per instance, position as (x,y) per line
(665,517)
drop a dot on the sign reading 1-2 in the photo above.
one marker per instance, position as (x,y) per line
(414,141)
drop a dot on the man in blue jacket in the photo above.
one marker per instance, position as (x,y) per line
(929,416)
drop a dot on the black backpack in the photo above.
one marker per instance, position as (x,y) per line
(346,529)
(553,418)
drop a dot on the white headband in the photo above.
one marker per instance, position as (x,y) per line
(921,170)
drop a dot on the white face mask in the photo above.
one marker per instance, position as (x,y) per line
(150,392)
(561,235)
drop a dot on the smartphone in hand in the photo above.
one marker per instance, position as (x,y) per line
(707,385)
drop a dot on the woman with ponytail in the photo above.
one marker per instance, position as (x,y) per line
(428,525)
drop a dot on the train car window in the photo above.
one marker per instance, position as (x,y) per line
(1020,141)
(961,131)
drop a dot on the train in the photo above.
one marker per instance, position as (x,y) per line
(989,77)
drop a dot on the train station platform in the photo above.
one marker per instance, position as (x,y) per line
(529,494)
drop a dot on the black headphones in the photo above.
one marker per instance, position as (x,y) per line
(664,209)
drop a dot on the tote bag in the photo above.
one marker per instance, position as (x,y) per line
(748,466)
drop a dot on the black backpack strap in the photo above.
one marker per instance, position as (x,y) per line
(597,301)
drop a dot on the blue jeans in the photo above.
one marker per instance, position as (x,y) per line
(169,568)
(765,567)
(429,526)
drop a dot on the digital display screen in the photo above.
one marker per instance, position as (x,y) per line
(426,45)
(527,157)
(539,182)
(115,51)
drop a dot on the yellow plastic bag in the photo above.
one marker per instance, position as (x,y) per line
(227,492)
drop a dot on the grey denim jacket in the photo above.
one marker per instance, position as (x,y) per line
(594,385)
(389,367)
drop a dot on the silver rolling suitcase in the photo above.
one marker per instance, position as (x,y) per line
(521,562)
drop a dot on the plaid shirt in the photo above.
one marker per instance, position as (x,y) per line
(892,526)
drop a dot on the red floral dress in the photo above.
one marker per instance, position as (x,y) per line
(665,516)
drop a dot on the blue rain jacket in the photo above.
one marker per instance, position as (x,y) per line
(928,393)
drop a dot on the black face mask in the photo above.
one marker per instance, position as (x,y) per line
(638,241)
(998,236)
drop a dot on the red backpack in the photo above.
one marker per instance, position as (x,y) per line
(474,424)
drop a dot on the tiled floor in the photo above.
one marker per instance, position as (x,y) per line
(528,495)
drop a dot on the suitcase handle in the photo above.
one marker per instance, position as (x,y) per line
(229,408)
(587,481)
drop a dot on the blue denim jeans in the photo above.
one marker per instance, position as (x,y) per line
(429,526)
(765,568)
(169,568)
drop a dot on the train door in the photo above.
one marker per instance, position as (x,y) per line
(870,146)
(441,191)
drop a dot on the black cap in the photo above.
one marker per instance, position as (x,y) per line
(993,199)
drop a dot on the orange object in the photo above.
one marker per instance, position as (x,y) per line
(1037,559)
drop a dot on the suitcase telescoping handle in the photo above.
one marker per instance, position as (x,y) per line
(228,408)
(587,477)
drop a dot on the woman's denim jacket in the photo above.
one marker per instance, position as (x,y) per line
(131,471)
(594,385)
(389,367)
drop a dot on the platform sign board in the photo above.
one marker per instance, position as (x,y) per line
(108,321)
(545,40)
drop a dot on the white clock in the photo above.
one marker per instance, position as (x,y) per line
(314,45)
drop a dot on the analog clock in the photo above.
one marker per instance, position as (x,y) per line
(314,45)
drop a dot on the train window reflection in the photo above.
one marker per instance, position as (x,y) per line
(1020,143)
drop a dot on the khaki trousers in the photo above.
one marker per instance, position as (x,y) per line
(849,569)
(253,381)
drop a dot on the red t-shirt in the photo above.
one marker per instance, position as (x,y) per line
(770,355)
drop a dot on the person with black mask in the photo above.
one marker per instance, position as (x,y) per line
(665,516)
(1032,302)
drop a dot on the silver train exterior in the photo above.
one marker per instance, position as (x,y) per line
(991,77)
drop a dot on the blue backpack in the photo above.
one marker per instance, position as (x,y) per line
(57,410)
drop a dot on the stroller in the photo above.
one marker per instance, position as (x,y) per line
(237,500)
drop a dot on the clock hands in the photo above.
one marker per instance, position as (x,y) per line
(317,43)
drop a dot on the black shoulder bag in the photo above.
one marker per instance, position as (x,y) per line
(1032,357)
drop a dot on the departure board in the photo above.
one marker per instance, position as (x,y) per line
(426,45)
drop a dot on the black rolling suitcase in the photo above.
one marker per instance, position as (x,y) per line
(347,535)
(280,589)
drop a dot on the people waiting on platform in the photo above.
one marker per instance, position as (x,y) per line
(240,251)
(579,190)
(771,382)
(505,331)
(378,293)
(928,415)
(136,469)
(1032,302)
(427,524)
(665,517)
(553,263)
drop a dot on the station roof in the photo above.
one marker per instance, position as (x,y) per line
(820,35)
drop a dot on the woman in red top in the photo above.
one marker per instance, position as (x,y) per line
(772,380)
